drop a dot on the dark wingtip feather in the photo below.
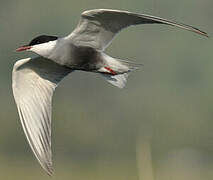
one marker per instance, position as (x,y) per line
(49,170)
(201,32)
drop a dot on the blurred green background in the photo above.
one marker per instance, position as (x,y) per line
(160,127)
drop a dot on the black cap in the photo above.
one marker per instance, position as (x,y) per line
(42,39)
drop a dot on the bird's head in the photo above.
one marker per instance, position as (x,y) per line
(41,45)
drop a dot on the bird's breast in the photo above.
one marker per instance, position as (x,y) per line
(77,57)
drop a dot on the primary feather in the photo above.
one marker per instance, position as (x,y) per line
(34,81)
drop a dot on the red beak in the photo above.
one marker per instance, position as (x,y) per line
(23,48)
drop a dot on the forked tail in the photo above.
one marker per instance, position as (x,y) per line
(116,71)
(117,80)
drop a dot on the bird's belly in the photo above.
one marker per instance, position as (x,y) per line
(81,58)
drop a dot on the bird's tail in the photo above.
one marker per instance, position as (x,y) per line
(116,71)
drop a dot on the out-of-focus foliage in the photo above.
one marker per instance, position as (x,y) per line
(159,127)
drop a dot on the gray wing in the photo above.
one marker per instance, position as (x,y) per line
(97,27)
(34,81)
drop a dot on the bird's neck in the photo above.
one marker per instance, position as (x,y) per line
(45,49)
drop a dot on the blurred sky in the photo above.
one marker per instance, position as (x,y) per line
(158,127)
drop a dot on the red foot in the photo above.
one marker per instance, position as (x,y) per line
(110,70)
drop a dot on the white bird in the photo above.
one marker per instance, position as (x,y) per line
(35,79)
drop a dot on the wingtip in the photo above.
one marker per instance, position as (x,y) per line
(47,167)
(198,31)
(204,34)
(207,35)
(49,170)
(50,173)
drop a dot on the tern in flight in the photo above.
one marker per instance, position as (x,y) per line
(35,79)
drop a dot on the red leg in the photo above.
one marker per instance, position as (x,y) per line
(110,70)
